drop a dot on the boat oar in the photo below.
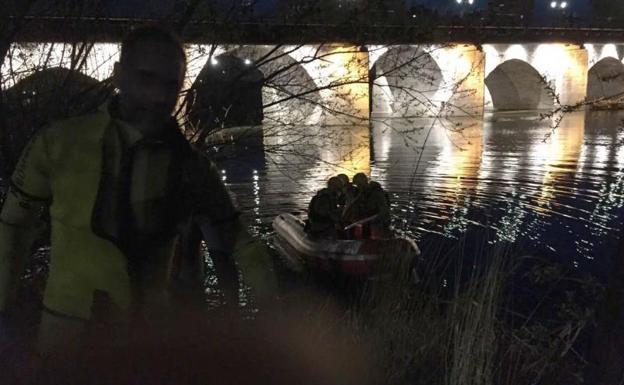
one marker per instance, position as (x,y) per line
(361,222)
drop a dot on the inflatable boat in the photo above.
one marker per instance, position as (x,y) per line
(351,257)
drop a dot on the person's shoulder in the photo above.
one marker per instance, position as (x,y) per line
(197,160)
(78,126)
(199,156)
(322,193)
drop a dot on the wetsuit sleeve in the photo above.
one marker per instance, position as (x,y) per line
(210,197)
(20,212)
(232,240)
(31,175)
(380,205)
(19,220)
(225,233)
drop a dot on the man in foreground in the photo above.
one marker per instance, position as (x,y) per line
(119,183)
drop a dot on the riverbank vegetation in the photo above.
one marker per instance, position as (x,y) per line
(477,314)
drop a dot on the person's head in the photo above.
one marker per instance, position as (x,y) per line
(334,184)
(149,75)
(360,180)
(344,179)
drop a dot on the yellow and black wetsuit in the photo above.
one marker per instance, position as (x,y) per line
(115,201)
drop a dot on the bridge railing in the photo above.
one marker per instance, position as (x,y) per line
(57,28)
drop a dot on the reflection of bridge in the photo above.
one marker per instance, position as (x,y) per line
(413,79)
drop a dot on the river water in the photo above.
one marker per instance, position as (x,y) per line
(557,192)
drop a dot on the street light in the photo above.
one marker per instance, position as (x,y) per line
(559,4)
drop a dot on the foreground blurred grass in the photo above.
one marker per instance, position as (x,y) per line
(465,323)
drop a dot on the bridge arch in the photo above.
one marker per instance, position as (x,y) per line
(273,82)
(516,85)
(289,92)
(605,79)
(227,92)
(405,81)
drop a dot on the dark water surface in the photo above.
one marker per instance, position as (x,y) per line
(559,194)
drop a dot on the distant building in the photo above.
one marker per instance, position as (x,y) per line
(563,12)
(510,7)
(510,12)
(340,10)
(306,10)
(449,7)
(607,12)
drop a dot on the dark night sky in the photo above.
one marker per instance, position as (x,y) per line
(266,8)
(542,7)
(262,7)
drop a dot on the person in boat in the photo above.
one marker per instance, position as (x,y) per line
(119,183)
(324,216)
(347,191)
(372,207)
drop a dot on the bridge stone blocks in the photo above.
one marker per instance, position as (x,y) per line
(466,80)
(302,83)
(341,75)
(528,76)
(606,71)
(345,82)
(426,80)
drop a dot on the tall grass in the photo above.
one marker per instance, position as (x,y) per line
(458,324)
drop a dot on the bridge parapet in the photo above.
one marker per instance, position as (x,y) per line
(103,29)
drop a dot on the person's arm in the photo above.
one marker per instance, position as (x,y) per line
(231,239)
(334,213)
(18,232)
(380,205)
(26,198)
(188,265)
(326,209)
(352,200)
(226,233)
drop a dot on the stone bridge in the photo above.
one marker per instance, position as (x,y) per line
(395,80)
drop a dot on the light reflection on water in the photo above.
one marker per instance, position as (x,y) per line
(559,194)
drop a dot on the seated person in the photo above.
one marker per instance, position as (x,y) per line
(371,201)
(378,203)
(323,212)
(348,192)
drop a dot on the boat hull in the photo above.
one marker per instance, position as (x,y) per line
(350,257)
